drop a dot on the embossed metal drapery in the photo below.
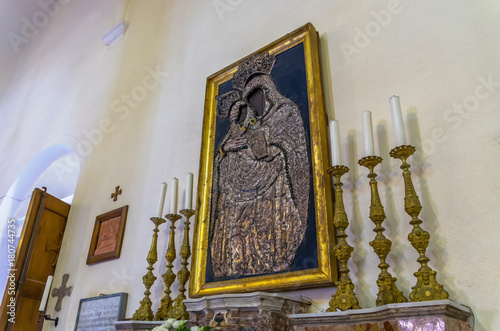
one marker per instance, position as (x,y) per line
(264,198)
(261,180)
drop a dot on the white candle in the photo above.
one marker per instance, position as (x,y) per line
(188,201)
(368,133)
(45,295)
(173,197)
(397,121)
(335,142)
(161,203)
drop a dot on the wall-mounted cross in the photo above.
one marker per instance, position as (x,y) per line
(118,191)
(61,292)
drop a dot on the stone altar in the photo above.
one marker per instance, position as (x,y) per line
(260,311)
(439,315)
(246,311)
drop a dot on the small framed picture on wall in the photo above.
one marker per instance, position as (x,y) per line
(107,237)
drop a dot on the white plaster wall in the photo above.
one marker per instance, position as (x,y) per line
(434,55)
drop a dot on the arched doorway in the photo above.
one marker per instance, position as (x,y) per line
(56,168)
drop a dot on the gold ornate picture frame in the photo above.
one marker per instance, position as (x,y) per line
(291,245)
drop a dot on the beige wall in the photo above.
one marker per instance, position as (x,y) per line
(436,55)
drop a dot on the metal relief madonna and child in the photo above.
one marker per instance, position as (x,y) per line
(261,177)
(263,220)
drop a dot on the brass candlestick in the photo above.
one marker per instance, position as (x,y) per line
(168,276)
(179,311)
(144,313)
(344,298)
(387,289)
(427,288)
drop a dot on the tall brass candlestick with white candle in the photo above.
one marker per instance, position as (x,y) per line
(179,310)
(427,287)
(344,298)
(144,312)
(169,276)
(387,289)
(43,303)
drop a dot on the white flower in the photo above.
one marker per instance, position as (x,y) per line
(160,328)
(195,328)
(168,323)
(176,324)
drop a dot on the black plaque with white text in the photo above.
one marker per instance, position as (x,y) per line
(99,313)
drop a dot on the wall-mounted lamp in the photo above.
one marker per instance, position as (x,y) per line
(43,303)
(115,34)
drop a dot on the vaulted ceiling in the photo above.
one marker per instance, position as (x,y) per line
(13,15)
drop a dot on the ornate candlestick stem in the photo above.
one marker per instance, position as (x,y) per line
(387,289)
(427,288)
(144,313)
(344,298)
(168,276)
(179,311)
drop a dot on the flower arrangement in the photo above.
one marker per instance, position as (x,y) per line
(173,324)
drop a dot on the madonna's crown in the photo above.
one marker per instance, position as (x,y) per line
(255,64)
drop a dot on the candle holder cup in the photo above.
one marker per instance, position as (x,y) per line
(388,291)
(427,287)
(344,298)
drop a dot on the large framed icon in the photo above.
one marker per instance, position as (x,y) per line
(264,209)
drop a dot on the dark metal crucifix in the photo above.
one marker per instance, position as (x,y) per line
(61,292)
(118,191)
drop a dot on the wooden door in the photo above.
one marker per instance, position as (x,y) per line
(35,260)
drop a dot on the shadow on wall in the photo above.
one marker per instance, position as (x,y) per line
(56,168)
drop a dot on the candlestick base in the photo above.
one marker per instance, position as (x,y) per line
(427,288)
(344,298)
